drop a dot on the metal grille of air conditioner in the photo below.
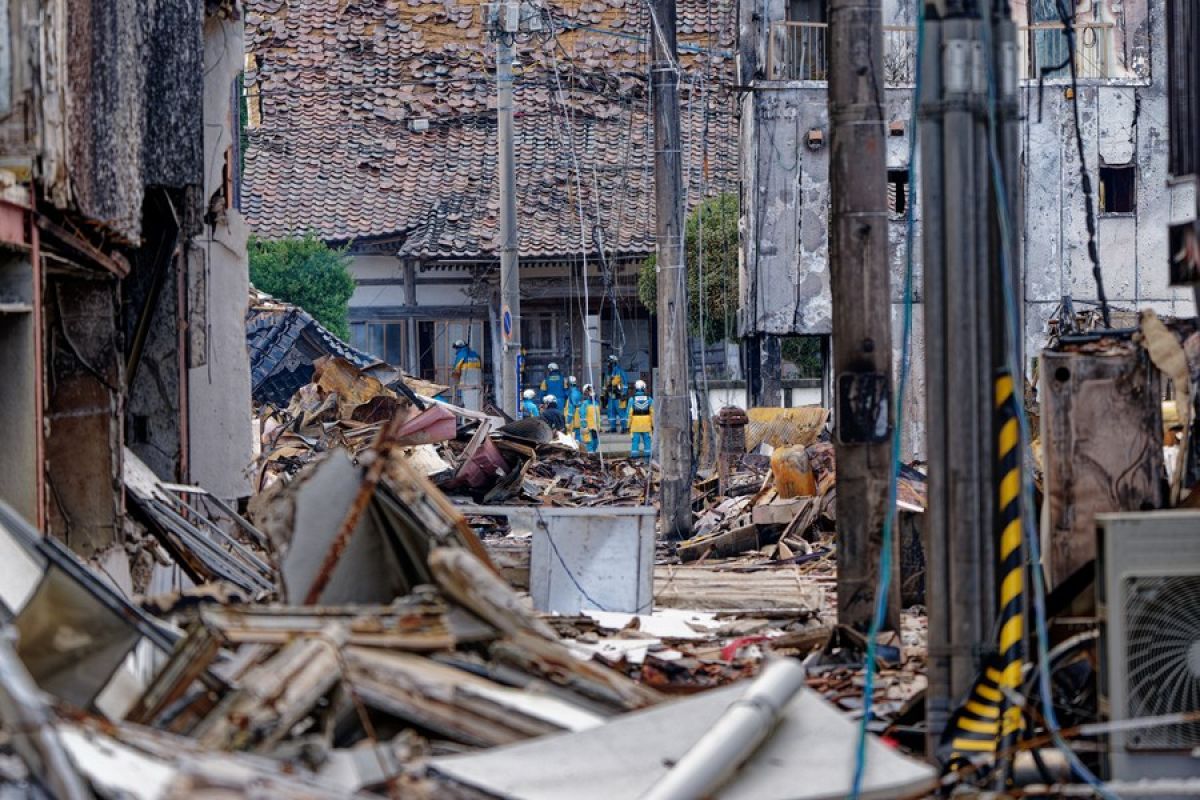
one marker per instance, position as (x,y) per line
(1162,619)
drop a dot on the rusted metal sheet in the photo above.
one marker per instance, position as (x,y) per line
(1102,439)
(434,424)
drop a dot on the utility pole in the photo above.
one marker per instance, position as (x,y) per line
(504,27)
(968,44)
(673,414)
(862,302)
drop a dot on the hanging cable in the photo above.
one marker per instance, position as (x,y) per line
(1012,335)
(1066,16)
(885,556)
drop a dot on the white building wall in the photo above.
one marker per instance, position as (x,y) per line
(219,406)
(441,287)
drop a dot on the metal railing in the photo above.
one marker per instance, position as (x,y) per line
(1045,45)
(799,51)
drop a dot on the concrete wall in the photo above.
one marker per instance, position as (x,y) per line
(221,437)
(735,395)
(784,265)
(785,271)
(1123,122)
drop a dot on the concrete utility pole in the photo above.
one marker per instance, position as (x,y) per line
(862,302)
(965,339)
(672,412)
(506,26)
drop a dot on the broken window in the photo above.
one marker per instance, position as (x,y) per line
(806,11)
(383,340)
(1118,190)
(537,332)
(897,191)
(800,44)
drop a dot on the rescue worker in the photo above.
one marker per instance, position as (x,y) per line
(528,407)
(468,375)
(641,421)
(555,384)
(574,400)
(551,414)
(589,416)
(615,394)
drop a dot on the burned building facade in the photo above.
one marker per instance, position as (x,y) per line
(1121,98)
(121,249)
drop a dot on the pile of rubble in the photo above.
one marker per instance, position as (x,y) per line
(362,628)
(351,637)
(466,453)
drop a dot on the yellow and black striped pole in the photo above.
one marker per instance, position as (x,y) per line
(1012,565)
(989,722)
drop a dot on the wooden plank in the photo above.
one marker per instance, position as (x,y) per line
(276,694)
(729,543)
(710,588)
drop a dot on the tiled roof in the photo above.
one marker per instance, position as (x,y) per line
(283,341)
(340,82)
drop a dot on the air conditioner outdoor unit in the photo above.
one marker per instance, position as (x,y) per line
(1148,599)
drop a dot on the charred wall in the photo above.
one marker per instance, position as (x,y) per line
(135,72)
(83,398)
(151,313)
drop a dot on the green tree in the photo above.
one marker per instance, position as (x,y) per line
(805,353)
(307,272)
(713,225)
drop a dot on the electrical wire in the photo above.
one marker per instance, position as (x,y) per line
(1065,15)
(885,556)
(1012,334)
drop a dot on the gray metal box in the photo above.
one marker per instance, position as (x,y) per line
(598,558)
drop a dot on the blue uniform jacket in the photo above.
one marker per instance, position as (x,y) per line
(556,385)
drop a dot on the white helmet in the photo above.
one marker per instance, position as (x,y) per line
(640,386)
(552,367)
(587,388)
(460,343)
(529,394)
(613,358)
(550,400)
(571,381)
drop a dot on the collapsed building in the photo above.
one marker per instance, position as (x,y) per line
(123,273)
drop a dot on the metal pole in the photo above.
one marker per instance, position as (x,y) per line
(672,411)
(510,275)
(862,302)
(938,599)
(734,737)
(966,341)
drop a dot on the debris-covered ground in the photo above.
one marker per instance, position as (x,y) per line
(369,624)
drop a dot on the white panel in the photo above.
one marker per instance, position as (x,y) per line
(595,560)
(20,573)
(1117,120)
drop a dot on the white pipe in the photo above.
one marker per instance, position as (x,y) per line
(734,737)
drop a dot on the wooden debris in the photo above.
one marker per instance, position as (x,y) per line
(465,579)
(276,694)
